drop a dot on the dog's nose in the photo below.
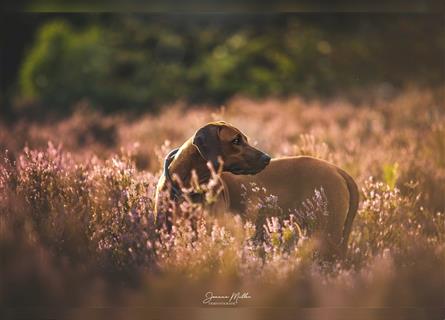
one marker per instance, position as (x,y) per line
(265,159)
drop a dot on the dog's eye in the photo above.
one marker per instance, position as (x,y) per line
(236,141)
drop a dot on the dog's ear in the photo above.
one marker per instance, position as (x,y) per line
(206,140)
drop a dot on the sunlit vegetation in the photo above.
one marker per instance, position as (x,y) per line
(76,202)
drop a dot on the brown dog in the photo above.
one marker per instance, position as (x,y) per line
(292,179)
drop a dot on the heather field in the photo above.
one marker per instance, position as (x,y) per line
(77,234)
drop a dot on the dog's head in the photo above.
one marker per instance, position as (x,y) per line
(220,139)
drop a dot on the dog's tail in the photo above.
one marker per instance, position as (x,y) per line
(354,198)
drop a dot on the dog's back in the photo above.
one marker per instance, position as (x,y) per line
(294,180)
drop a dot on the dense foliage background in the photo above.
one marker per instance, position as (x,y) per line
(142,61)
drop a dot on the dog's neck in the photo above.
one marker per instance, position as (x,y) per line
(186,160)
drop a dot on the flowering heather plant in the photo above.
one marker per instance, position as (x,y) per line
(121,221)
(211,190)
(282,237)
(309,146)
(77,225)
(259,206)
(312,213)
(199,250)
(55,191)
(402,222)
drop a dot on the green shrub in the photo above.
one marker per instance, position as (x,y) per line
(141,62)
(391,174)
(65,65)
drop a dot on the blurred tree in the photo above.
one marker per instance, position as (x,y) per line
(66,65)
(143,61)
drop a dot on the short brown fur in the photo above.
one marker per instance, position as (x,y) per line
(292,179)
